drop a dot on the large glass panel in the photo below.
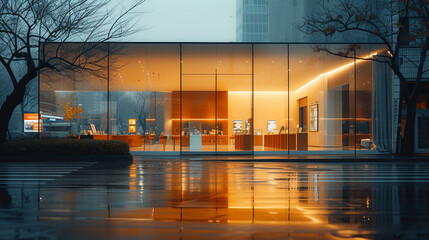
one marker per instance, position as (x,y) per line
(216,98)
(199,98)
(84,87)
(199,59)
(271,98)
(145,95)
(321,103)
(234,68)
(373,101)
(199,123)
(235,114)
(234,59)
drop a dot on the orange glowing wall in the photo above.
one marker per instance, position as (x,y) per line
(201,105)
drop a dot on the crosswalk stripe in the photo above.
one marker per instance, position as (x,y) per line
(37,173)
(16,172)
(31,175)
(26,179)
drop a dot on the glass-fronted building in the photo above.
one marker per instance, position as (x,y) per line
(244,98)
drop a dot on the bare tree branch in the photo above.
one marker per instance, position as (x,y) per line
(27,25)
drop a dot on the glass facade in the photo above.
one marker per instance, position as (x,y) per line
(226,98)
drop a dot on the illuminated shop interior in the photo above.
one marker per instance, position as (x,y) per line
(227,98)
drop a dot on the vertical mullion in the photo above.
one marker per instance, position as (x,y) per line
(39,114)
(355,77)
(288,100)
(216,127)
(108,91)
(180,121)
(216,133)
(253,101)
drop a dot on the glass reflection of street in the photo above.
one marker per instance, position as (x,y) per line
(215,199)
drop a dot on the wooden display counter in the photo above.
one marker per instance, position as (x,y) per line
(302,141)
(132,140)
(280,141)
(243,142)
(212,139)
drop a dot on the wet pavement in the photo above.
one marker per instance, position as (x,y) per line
(175,199)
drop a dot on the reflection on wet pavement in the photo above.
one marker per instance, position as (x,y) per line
(215,200)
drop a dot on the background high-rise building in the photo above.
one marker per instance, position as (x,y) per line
(278,21)
(252,20)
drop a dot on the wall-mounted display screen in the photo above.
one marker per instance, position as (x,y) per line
(314,118)
(132,128)
(238,125)
(272,126)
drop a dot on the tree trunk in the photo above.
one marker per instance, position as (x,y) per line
(9,105)
(407,144)
(22,115)
(398,127)
(71,131)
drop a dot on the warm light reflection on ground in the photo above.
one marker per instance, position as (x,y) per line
(230,193)
(215,199)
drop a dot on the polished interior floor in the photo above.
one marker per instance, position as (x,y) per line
(182,199)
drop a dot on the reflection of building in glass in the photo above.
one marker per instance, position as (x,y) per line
(244,98)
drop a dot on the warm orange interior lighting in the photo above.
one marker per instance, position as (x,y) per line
(200,119)
(262,92)
(336,70)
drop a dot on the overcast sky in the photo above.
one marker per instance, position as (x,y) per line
(187,20)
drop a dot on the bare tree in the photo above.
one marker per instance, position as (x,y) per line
(137,105)
(142,109)
(401,26)
(26,25)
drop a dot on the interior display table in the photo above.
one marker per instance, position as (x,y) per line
(195,143)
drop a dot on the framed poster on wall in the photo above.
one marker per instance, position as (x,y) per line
(314,118)
(272,126)
(238,125)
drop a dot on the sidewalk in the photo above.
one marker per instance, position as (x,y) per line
(289,158)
